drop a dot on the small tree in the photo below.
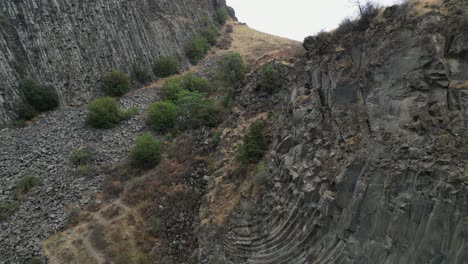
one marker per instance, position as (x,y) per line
(254,144)
(171,87)
(221,16)
(166,66)
(196,110)
(210,33)
(270,79)
(147,151)
(231,70)
(196,48)
(39,97)
(162,116)
(103,113)
(192,82)
(115,83)
(140,73)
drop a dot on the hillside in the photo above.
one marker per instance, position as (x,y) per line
(347,148)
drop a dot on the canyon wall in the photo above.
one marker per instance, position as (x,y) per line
(369,164)
(71,44)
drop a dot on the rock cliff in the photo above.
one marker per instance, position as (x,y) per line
(71,44)
(369,161)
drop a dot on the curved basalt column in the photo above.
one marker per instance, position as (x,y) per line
(370,164)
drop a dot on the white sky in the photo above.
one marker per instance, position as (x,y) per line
(295,19)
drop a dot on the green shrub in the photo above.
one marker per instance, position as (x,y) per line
(270,79)
(192,82)
(147,151)
(129,113)
(28,112)
(162,115)
(26,183)
(140,74)
(34,260)
(196,110)
(103,113)
(221,16)
(115,83)
(81,156)
(196,48)
(38,97)
(254,145)
(210,33)
(166,66)
(260,174)
(7,208)
(189,82)
(230,71)
(171,87)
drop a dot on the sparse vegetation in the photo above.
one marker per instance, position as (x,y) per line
(115,83)
(7,208)
(196,110)
(260,174)
(147,151)
(171,87)
(3,18)
(26,183)
(254,145)
(221,16)
(230,71)
(367,12)
(140,73)
(81,156)
(270,79)
(97,237)
(39,98)
(129,113)
(103,113)
(210,33)
(166,66)
(34,260)
(196,48)
(162,116)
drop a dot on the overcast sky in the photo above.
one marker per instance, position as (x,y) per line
(295,19)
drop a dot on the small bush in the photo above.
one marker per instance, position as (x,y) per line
(189,82)
(26,183)
(166,66)
(254,145)
(367,12)
(7,208)
(221,16)
(39,97)
(346,26)
(81,156)
(210,33)
(140,74)
(147,151)
(171,87)
(192,82)
(103,113)
(260,174)
(230,71)
(196,48)
(162,116)
(196,110)
(84,170)
(34,260)
(129,113)
(28,112)
(115,83)
(270,79)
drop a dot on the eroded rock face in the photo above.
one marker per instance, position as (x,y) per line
(71,44)
(370,163)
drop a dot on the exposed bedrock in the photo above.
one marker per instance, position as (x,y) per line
(71,44)
(370,163)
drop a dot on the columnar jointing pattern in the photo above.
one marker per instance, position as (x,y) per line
(369,166)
